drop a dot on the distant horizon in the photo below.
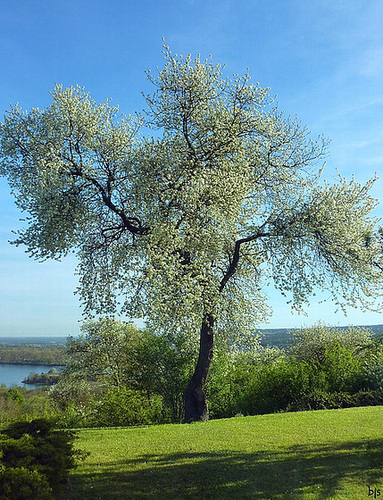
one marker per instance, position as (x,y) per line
(2,337)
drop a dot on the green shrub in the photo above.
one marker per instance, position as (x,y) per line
(222,388)
(113,355)
(38,453)
(73,417)
(374,373)
(72,390)
(9,411)
(340,379)
(273,387)
(230,376)
(126,407)
(344,371)
(166,366)
(23,484)
(368,398)
(318,400)
(15,395)
(22,404)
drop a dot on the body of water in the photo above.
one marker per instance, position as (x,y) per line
(12,375)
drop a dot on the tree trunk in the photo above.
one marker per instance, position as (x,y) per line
(194,396)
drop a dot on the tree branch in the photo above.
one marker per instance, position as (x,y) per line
(235,259)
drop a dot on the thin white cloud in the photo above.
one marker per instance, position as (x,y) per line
(371,63)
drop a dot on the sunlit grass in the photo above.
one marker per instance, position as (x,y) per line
(324,454)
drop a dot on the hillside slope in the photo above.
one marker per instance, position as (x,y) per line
(324,454)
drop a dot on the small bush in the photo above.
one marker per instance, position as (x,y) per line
(15,395)
(9,411)
(37,453)
(374,374)
(126,407)
(340,379)
(344,371)
(73,417)
(368,398)
(273,387)
(23,484)
(222,388)
(71,391)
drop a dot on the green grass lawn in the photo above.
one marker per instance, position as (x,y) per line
(324,454)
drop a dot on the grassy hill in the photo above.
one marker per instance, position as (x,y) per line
(335,454)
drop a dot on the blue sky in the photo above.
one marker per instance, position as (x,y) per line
(323,59)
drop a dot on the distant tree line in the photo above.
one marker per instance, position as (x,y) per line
(33,355)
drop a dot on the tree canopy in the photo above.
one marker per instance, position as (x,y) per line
(185,227)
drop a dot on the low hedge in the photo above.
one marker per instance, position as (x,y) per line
(326,401)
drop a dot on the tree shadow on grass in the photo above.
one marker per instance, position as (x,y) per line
(287,473)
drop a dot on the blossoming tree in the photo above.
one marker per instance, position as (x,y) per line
(185,228)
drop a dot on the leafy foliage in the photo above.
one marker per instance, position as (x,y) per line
(105,352)
(112,357)
(15,395)
(227,193)
(166,366)
(310,344)
(20,483)
(185,228)
(326,368)
(34,455)
(320,400)
(23,404)
(126,407)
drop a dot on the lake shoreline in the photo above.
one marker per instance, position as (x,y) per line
(32,363)
(14,374)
